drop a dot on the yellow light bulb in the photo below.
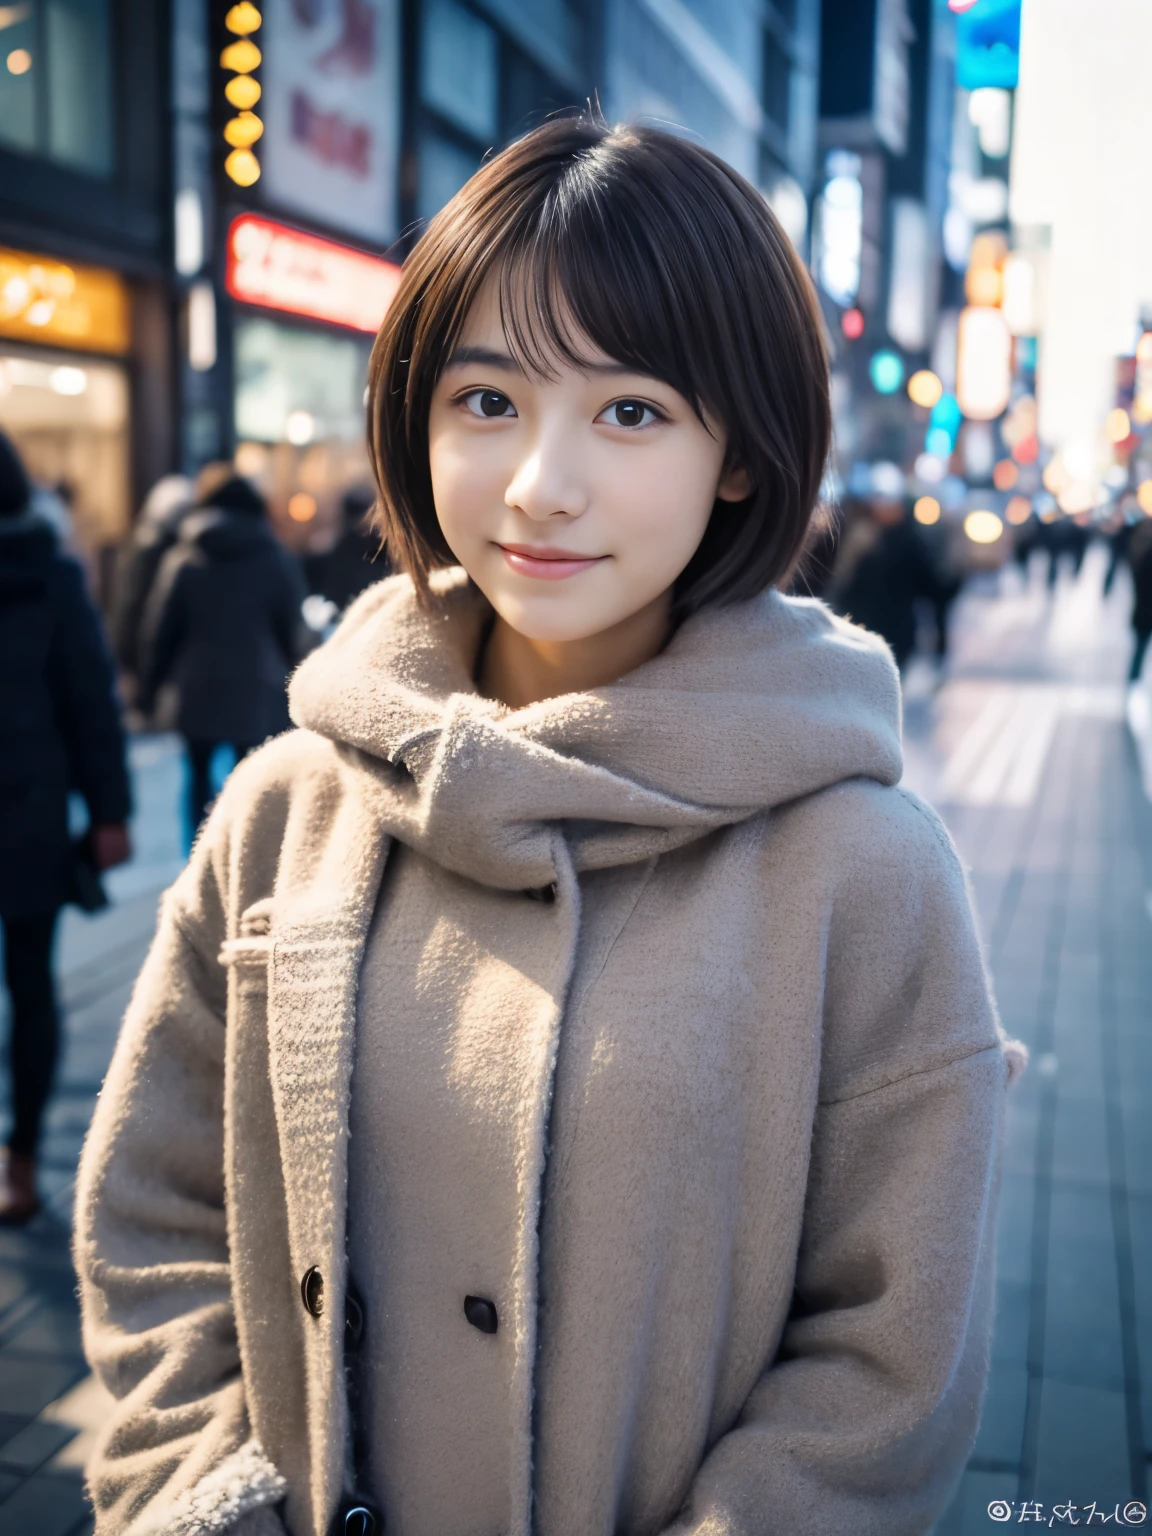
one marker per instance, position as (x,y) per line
(243,92)
(243,131)
(243,167)
(924,388)
(242,56)
(243,18)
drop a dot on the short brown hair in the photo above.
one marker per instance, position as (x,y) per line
(670,263)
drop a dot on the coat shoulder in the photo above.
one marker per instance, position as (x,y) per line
(863,830)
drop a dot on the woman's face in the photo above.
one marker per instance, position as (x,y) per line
(573,501)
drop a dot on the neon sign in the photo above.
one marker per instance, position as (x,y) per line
(281,268)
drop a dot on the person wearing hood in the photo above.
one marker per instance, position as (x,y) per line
(355,561)
(563,1095)
(60,731)
(223,625)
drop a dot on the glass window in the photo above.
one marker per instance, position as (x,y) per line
(458,68)
(21,68)
(56,81)
(79,84)
(444,168)
(298,386)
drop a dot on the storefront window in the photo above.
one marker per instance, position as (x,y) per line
(299,386)
(56,82)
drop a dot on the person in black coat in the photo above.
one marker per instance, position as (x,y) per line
(60,730)
(356,559)
(1140,561)
(224,626)
(886,569)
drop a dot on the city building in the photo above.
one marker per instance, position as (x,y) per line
(85,328)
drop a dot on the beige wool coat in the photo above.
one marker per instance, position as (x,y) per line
(713,1117)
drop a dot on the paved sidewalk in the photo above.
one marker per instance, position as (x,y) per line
(1026,753)
(50,1407)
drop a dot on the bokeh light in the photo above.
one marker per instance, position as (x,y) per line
(852,324)
(1144,496)
(1117,425)
(243,92)
(19,61)
(242,56)
(302,507)
(930,468)
(243,167)
(1027,450)
(926,510)
(983,526)
(924,388)
(1004,475)
(1018,510)
(242,18)
(886,372)
(243,131)
(1144,348)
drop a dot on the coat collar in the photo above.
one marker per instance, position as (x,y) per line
(746,708)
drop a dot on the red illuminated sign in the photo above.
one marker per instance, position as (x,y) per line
(282,268)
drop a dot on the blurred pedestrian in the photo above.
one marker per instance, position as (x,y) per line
(153,535)
(884,571)
(356,560)
(1119,537)
(223,625)
(60,730)
(1140,561)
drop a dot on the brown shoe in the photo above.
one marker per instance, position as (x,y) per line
(19,1201)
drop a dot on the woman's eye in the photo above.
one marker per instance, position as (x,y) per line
(489,403)
(629,413)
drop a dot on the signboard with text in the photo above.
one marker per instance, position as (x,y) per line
(330,149)
(280,268)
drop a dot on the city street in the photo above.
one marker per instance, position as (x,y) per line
(1026,751)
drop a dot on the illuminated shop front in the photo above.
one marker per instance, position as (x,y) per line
(65,339)
(301,343)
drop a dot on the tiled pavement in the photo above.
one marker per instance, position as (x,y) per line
(1025,751)
(49,1405)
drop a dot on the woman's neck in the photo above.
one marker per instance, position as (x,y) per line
(519,671)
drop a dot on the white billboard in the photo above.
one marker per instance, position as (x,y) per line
(331,111)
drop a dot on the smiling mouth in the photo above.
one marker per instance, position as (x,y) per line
(547,564)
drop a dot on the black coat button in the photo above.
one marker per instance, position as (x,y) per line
(481,1313)
(357,1517)
(312,1291)
(353,1321)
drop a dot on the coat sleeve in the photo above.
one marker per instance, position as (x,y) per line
(177,1456)
(88,709)
(865,1417)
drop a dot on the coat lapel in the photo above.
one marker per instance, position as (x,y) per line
(320,922)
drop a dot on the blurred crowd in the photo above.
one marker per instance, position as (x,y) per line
(209,616)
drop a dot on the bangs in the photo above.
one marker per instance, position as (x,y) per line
(651,251)
(583,274)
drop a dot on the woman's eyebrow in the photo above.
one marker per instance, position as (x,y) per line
(489,357)
(483,357)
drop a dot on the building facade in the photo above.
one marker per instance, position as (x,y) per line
(85,322)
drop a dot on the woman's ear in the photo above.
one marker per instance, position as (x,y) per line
(735,484)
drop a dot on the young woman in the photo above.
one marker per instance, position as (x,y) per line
(563,1093)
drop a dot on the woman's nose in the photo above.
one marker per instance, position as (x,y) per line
(546,484)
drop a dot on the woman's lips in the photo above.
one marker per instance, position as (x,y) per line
(546,564)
